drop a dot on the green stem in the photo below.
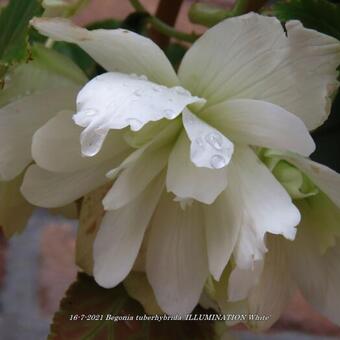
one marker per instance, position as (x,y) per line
(209,15)
(137,6)
(162,27)
(169,31)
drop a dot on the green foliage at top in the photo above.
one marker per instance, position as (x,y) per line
(14,23)
(320,15)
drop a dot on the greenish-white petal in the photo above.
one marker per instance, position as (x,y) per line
(20,119)
(222,222)
(116,50)
(140,167)
(48,69)
(56,145)
(275,287)
(251,56)
(322,218)
(322,176)
(120,236)
(242,280)
(256,122)
(51,189)
(176,262)
(266,207)
(317,276)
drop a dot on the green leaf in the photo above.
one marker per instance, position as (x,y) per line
(136,22)
(320,15)
(78,56)
(175,53)
(48,69)
(86,300)
(108,24)
(14,25)
(84,311)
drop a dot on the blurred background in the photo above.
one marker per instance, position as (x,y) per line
(37,266)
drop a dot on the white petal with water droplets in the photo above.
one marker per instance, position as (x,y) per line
(116,100)
(209,148)
(186,180)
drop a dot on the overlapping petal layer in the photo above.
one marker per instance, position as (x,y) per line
(116,50)
(18,122)
(116,100)
(120,236)
(177,265)
(252,57)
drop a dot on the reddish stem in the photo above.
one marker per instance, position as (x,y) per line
(167,11)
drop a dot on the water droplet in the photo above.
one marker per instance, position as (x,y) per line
(168,113)
(189,119)
(101,130)
(215,140)
(181,91)
(89,112)
(137,93)
(217,162)
(199,142)
(135,124)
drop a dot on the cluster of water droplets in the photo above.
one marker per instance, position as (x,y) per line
(215,141)
(140,77)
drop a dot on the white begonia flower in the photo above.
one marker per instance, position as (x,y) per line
(243,83)
(309,263)
(33,93)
